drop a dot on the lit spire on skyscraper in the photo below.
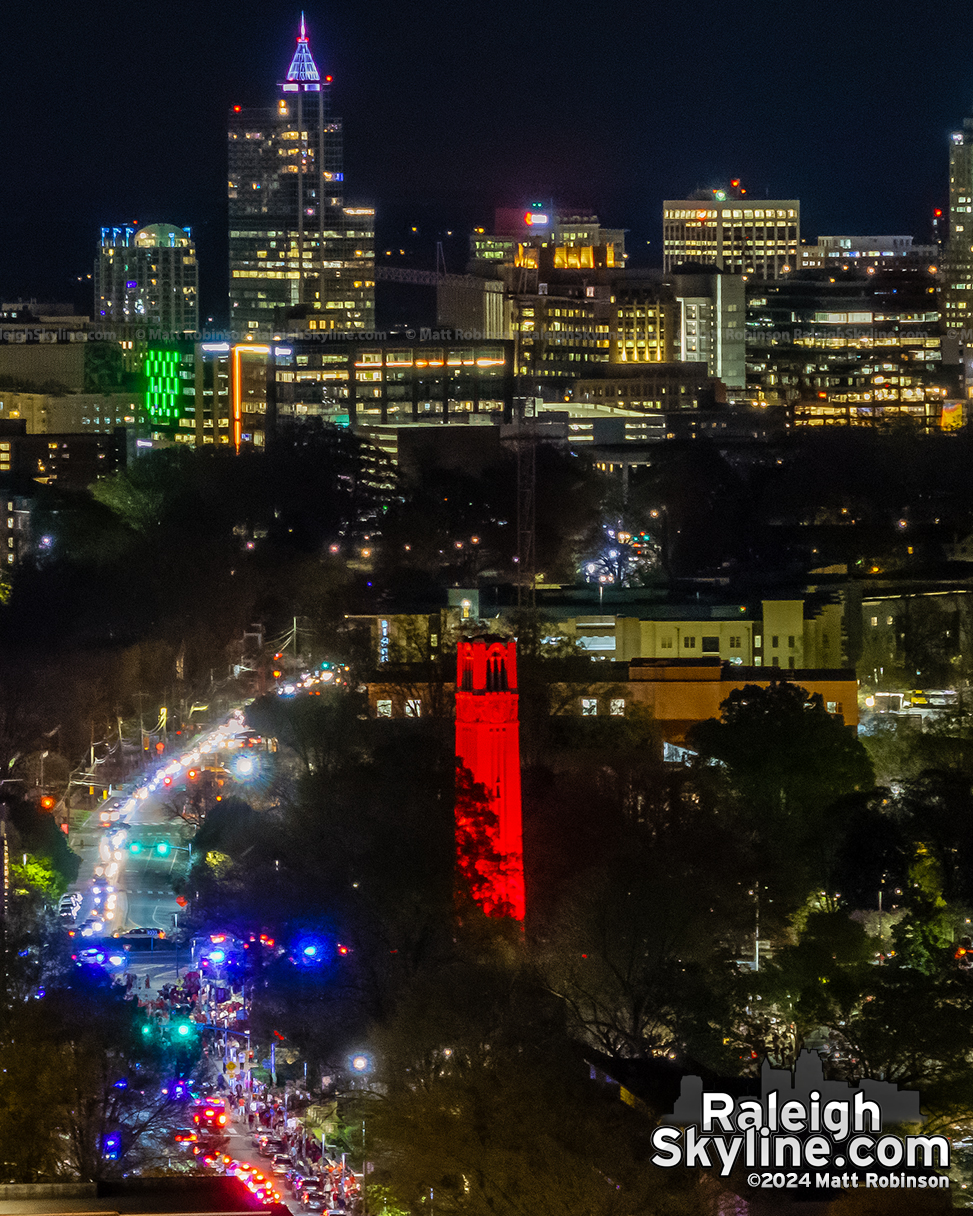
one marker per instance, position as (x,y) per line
(303,67)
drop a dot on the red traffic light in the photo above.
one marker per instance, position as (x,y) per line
(193,774)
(47,802)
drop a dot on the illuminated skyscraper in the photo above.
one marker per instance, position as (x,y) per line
(956,300)
(147,277)
(296,249)
(741,235)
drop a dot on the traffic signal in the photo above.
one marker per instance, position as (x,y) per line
(193,774)
(162,848)
(135,847)
(47,802)
(184,1029)
(111,1146)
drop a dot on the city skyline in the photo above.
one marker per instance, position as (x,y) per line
(851,120)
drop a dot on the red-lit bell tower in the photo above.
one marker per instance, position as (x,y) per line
(488,744)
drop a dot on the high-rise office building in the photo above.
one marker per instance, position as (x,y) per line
(147,277)
(860,351)
(725,229)
(296,248)
(956,300)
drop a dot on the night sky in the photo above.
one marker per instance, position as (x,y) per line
(116,112)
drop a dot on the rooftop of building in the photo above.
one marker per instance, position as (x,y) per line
(158,236)
(303,68)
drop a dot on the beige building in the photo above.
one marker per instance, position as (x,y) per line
(870,254)
(72,413)
(677,693)
(759,237)
(782,635)
(789,634)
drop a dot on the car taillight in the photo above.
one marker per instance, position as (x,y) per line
(222,1118)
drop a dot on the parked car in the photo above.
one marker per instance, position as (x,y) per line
(281,1164)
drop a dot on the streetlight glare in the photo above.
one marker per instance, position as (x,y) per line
(245,766)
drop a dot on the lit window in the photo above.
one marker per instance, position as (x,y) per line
(617,707)
(413,709)
(589,707)
(383,709)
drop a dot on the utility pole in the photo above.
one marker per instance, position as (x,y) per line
(526,514)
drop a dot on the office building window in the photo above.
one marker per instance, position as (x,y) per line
(774,641)
(413,709)
(790,642)
(689,643)
(618,707)
(383,709)
(711,645)
(589,707)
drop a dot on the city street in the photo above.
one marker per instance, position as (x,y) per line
(129,864)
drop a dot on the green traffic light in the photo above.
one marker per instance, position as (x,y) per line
(146,1030)
(183,1029)
(135,847)
(162,848)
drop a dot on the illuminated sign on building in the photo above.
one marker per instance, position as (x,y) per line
(536,219)
(163,390)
